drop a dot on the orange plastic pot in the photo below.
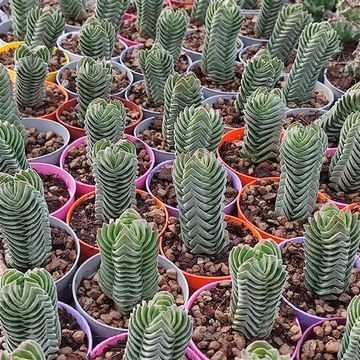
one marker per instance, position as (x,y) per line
(196,281)
(86,250)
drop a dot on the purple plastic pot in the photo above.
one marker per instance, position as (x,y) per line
(48,169)
(83,189)
(99,349)
(81,322)
(306,320)
(174,211)
(190,303)
(309,333)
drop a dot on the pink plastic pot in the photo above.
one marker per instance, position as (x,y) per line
(309,333)
(83,189)
(48,169)
(189,305)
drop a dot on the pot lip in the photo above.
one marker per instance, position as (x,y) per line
(307,111)
(326,78)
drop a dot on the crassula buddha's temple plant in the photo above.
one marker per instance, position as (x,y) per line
(147,14)
(262,350)
(112,11)
(27,350)
(318,8)
(198,10)
(353,68)
(74,10)
(349,9)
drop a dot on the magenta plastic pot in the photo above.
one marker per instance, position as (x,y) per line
(84,326)
(174,211)
(309,333)
(306,320)
(83,189)
(48,169)
(190,303)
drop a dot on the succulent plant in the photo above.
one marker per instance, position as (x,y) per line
(75,10)
(197,127)
(93,81)
(269,11)
(97,39)
(44,26)
(24,220)
(198,11)
(28,310)
(157,65)
(180,91)
(115,170)
(290,23)
(158,329)
(349,9)
(318,8)
(223,22)
(332,238)
(31,69)
(353,68)
(112,11)
(148,12)
(200,182)
(250,4)
(129,251)
(258,279)
(12,149)
(262,350)
(301,156)
(261,70)
(333,120)
(348,31)
(20,10)
(349,348)
(27,350)
(263,115)
(318,42)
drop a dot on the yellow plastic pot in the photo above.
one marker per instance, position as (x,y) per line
(15,44)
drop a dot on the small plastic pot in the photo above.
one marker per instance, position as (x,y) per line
(48,169)
(174,211)
(247,40)
(336,91)
(189,305)
(89,268)
(84,326)
(44,126)
(77,132)
(197,281)
(88,250)
(5,27)
(82,188)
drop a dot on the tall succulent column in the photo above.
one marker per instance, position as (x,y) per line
(302,152)
(112,11)
(148,12)
(290,23)
(28,310)
(318,42)
(129,250)
(200,182)
(157,65)
(198,11)
(28,349)
(115,169)
(332,238)
(158,329)
(349,9)
(198,128)
(97,39)
(75,10)
(258,279)
(263,114)
(180,91)
(224,20)
(262,350)
(261,70)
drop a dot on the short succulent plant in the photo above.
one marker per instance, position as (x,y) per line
(44,26)
(115,169)
(74,10)
(112,11)
(198,11)
(258,279)
(180,91)
(93,81)
(348,31)
(262,350)
(332,238)
(148,12)
(318,42)
(27,350)
(290,23)
(129,251)
(223,22)
(353,68)
(158,329)
(157,65)
(301,156)
(263,115)
(28,310)
(261,70)
(200,182)
(97,39)
(318,8)
(170,30)
(349,9)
